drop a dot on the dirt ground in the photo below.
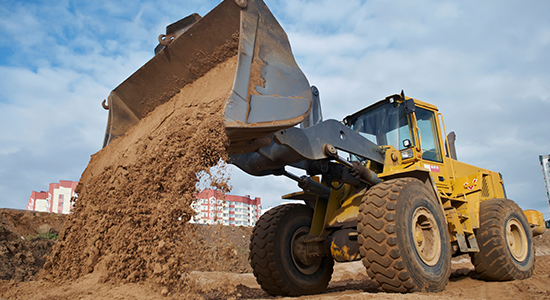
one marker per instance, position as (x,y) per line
(349,281)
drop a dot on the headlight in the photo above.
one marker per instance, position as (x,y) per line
(406,154)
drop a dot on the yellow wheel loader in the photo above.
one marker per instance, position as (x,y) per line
(384,186)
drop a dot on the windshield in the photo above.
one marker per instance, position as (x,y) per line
(385,124)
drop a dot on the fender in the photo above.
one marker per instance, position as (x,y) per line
(421,174)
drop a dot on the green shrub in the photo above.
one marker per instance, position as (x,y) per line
(48,236)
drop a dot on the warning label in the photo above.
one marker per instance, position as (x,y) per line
(432,168)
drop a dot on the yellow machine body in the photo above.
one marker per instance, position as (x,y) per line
(459,187)
(536,219)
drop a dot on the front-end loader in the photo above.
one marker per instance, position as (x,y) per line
(384,186)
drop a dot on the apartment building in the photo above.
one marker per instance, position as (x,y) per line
(57,199)
(213,207)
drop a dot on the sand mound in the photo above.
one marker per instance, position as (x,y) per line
(25,238)
(130,222)
(21,259)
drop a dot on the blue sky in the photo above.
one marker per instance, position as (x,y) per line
(484,64)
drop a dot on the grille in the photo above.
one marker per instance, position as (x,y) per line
(485,188)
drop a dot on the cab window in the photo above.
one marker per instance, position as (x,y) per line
(429,137)
(385,124)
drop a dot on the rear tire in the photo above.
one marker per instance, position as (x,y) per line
(274,253)
(505,243)
(403,237)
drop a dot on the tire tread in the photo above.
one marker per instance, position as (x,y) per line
(262,255)
(493,261)
(383,261)
(379,242)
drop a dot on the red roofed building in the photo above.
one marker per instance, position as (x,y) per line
(57,199)
(38,201)
(213,207)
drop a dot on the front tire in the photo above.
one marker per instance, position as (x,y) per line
(403,237)
(277,254)
(505,243)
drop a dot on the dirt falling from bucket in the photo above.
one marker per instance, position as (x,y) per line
(130,222)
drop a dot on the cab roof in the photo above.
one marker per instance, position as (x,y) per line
(396,97)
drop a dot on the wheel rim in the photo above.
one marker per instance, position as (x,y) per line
(306,264)
(427,240)
(516,239)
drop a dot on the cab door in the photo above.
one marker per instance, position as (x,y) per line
(431,149)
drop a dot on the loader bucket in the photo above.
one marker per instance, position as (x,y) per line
(269,91)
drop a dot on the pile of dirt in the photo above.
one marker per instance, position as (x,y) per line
(236,237)
(25,238)
(130,221)
(20,260)
(24,223)
(542,243)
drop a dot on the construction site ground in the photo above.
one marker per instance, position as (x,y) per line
(21,274)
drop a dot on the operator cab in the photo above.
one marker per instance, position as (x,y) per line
(390,122)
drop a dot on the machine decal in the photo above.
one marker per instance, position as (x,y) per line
(472,186)
(432,168)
